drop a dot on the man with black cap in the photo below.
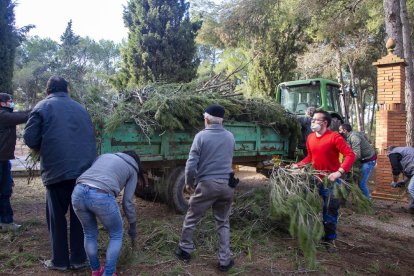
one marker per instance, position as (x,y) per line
(209,172)
(8,122)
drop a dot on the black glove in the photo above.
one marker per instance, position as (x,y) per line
(398,184)
(132,231)
(233,181)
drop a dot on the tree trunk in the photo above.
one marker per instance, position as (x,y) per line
(374,103)
(393,26)
(355,99)
(340,79)
(409,74)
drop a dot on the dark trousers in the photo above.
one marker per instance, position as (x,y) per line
(6,182)
(58,201)
(330,211)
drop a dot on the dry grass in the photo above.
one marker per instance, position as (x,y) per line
(262,253)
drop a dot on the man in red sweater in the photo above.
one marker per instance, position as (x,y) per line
(324,147)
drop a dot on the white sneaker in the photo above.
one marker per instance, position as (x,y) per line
(9,226)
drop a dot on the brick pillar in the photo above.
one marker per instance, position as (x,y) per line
(390,120)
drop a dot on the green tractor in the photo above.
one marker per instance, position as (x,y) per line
(297,96)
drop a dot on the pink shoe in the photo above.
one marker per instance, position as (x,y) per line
(98,272)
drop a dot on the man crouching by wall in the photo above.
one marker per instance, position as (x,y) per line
(209,172)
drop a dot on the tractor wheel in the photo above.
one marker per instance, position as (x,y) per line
(178,198)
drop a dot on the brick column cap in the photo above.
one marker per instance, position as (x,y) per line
(389,59)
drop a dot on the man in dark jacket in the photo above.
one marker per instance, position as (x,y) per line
(402,162)
(305,124)
(62,131)
(8,122)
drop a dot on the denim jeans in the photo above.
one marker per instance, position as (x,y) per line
(90,204)
(366,169)
(6,185)
(330,211)
(411,191)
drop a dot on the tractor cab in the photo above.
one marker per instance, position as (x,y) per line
(297,96)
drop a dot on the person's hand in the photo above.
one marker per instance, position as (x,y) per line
(294,167)
(334,176)
(132,232)
(398,184)
(189,189)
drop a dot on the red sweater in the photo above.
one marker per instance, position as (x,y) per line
(324,151)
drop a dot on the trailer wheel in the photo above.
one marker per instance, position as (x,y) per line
(145,192)
(178,198)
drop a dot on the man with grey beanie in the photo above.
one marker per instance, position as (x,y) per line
(209,176)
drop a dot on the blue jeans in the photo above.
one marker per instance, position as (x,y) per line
(366,169)
(6,190)
(330,211)
(411,191)
(90,204)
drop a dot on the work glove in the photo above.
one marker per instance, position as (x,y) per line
(398,184)
(293,167)
(132,232)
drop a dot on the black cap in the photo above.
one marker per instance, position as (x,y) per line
(4,97)
(215,110)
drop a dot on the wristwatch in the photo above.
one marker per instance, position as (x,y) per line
(341,171)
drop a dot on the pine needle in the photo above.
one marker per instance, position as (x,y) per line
(295,199)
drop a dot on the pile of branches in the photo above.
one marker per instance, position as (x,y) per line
(160,106)
(295,200)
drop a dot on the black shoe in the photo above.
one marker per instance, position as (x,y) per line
(50,265)
(330,246)
(225,268)
(83,265)
(182,255)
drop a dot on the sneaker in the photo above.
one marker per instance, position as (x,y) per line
(50,265)
(79,266)
(182,255)
(330,246)
(9,226)
(225,268)
(99,272)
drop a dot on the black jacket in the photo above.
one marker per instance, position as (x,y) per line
(8,122)
(62,130)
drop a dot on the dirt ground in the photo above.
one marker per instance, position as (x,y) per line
(378,244)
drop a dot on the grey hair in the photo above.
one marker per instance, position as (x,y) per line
(213,119)
(310,111)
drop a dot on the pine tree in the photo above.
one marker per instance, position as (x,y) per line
(161,42)
(69,43)
(71,67)
(9,41)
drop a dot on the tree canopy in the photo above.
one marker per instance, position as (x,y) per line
(9,41)
(161,44)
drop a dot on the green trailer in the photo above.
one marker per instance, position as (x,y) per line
(163,155)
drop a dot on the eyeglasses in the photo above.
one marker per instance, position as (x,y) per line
(318,120)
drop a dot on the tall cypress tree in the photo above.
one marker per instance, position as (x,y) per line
(161,42)
(70,41)
(9,41)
